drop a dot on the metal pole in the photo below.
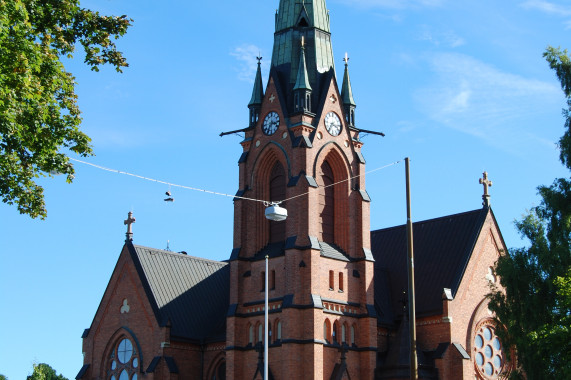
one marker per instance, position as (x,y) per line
(266,340)
(411,298)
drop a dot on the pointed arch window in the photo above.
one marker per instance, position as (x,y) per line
(251,334)
(277,193)
(331,280)
(219,372)
(335,333)
(123,363)
(353,335)
(327,331)
(326,203)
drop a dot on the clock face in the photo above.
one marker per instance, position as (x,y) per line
(332,124)
(271,123)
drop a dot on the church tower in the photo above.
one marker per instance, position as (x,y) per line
(302,148)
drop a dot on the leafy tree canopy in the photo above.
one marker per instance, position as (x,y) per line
(39,116)
(45,372)
(2,377)
(536,306)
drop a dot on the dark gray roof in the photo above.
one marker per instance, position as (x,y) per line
(190,293)
(442,250)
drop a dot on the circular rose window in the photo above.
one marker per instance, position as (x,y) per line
(489,358)
(123,361)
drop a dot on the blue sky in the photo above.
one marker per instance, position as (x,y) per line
(458,86)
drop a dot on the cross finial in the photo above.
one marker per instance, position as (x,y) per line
(346,59)
(259,59)
(130,220)
(487,183)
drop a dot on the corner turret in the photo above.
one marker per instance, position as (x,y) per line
(255,104)
(347,96)
(302,87)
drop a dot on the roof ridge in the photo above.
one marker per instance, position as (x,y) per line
(180,255)
(431,220)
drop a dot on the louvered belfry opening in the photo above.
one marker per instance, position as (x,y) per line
(277,193)
(326,203)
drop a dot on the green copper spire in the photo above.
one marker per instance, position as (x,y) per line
(255,104)
(347,96)
(302,82)
(296,19)
(258,91)
(314,12)
(346,91)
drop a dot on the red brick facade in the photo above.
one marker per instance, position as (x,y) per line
(323,311)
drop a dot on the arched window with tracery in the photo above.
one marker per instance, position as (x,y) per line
(277,193)
(219,372)
(326,203)
(123,361)
(489,357)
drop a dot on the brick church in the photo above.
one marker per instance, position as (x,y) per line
(335,289)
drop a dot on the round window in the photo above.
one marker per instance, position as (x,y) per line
(125,351)
(488,354)
(123,361)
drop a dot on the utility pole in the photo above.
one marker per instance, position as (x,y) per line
(266,338)
(411,298)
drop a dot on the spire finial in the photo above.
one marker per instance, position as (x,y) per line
(487,183)
(130,220)
(259,59)
(346,59)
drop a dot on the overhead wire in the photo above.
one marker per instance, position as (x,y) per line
(224,194)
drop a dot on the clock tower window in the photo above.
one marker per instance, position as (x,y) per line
(327,203)
(277,193)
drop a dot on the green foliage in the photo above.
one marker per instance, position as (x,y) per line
(45,372)
(39,116)
(536,305)
(2,377)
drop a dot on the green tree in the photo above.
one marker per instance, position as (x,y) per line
(536,306)
(2,377)
(39,116)
(45,372)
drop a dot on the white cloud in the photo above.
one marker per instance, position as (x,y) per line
(547,7)
(478,99)
(446,38)
(247,63)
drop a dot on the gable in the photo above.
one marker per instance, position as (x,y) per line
(123,294)
(442,251)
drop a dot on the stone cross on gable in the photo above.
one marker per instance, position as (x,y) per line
(487,183)
(130,220)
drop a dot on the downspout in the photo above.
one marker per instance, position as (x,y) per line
(202,349)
